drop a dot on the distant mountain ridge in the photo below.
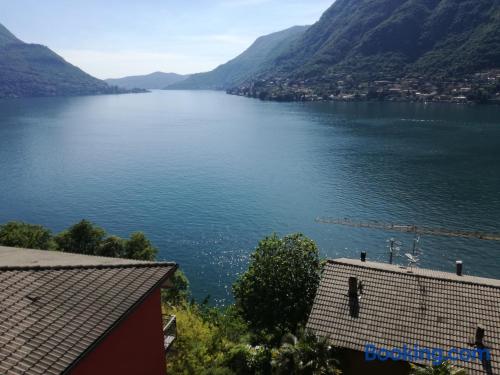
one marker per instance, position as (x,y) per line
(256,58)
(156,80)
(6,37)
(34,70)
(387,38)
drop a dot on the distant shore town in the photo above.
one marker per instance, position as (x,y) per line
(481,87)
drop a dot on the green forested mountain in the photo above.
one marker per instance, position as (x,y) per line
(156,80)
(387,38)
(34,70)
(256,58)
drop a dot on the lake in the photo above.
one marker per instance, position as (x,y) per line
(206,175)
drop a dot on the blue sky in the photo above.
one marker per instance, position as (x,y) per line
(114,38)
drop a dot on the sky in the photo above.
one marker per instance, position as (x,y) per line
(116,38)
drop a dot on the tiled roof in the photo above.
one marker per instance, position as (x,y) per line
(400,306)
(16,257)
(52,314)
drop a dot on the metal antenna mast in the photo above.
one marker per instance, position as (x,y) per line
(394,248)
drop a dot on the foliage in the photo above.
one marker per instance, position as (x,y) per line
(18,234)
(214,341)
(156,80)
(112,246)
(139,247)
(245,359)
(307,356)
(178,293)
(228,321)
(82,238)
(35,70)
(259,55)
(275,295)
(387,39)
(445,368)
(198,349)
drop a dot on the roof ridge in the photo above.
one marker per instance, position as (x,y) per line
(495,283)
(88,266)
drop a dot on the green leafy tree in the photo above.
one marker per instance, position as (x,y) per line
(275,295)
(178,293)
(112,246)
(445,368)
(82,238)
(197,349)
(19,234)
(139,247)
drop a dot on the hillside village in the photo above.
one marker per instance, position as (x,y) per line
(482,87)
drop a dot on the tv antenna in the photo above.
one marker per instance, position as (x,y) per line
(394,248)
(418,231)
(412,260)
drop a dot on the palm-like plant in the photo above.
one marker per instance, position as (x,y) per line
(444,368)
(307,356)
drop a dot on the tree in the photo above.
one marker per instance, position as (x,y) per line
(444,368)
(19,234)
(275,295)
(112,247)
(82,238)
(195,351)
(139,247)
(178,293)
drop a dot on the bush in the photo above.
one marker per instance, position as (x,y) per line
(197,348)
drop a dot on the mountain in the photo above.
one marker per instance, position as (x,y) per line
(394,38)
(7,37)
(255,59)
(157,80)
(34,70)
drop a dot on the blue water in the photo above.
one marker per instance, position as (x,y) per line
(206,175)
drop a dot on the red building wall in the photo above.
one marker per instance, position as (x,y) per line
(134,347)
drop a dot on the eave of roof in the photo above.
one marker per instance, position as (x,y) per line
(123,317)
(67,302)
(19,257)
(423,272)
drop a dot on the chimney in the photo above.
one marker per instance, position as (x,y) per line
(353,287)
(459,267)
(363,256)
(479,336)
(353,297)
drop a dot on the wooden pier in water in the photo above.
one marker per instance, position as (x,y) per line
(416,229)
